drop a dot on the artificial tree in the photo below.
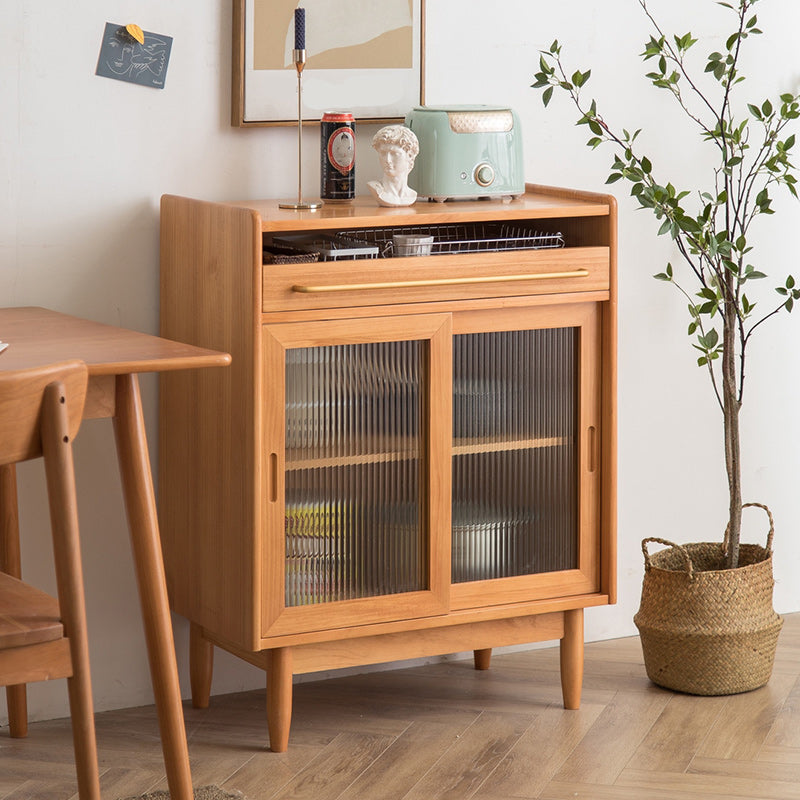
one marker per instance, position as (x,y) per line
(710,225)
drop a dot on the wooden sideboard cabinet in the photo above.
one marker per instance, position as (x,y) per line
(409,455)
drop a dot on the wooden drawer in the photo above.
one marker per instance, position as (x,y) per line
(337,284)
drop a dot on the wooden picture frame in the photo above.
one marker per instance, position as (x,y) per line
(372,67)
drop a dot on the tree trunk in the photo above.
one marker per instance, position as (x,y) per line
(730,410)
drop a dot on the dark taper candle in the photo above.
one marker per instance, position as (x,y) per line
(299,29)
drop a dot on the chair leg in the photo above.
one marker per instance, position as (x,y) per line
(10,563)
(83,735)
(17,702)
(57,449)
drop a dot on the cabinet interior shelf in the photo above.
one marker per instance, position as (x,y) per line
(461,447)
(465,447)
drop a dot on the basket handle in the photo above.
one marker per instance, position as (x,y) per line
(770,535)
(680,548)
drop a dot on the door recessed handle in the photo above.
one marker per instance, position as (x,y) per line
(273,477)
(592,448)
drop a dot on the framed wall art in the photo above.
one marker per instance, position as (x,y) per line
(361,56)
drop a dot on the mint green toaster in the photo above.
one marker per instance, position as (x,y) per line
(466,152)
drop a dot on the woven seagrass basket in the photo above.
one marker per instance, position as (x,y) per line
(708,630)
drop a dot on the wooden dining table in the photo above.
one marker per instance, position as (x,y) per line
(114,356)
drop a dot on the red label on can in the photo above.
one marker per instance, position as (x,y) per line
(342,149)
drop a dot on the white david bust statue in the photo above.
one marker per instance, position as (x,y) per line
(397,147)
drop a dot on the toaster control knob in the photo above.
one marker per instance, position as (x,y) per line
(484,175)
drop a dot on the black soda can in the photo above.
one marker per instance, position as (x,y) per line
(337,183)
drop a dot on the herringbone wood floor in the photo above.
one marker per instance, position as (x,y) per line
(447,731)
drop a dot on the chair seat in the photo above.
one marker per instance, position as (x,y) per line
(27,614)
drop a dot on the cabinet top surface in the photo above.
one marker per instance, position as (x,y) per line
(536,203)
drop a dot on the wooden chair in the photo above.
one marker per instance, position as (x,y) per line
(42,637)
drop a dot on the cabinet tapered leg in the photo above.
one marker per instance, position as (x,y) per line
(572,658)
(483,658)
(279,698)
(201,666)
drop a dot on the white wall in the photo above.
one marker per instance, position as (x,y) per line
(84,160)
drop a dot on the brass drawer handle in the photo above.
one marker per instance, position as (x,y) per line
(357,287)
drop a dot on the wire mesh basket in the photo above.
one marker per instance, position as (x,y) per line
(330,247)
(460,238)
(475,237)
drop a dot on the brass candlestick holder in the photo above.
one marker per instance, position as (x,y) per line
(300,204)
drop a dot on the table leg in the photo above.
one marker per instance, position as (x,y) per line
(11,564)
(140,503)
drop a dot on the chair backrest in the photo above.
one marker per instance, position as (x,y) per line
(22,399)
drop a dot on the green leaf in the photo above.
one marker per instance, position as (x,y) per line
(547,95)
(579,78)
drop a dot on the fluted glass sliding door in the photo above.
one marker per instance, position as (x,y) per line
(355,500)
(361,437)
(525,438)
(514,468)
